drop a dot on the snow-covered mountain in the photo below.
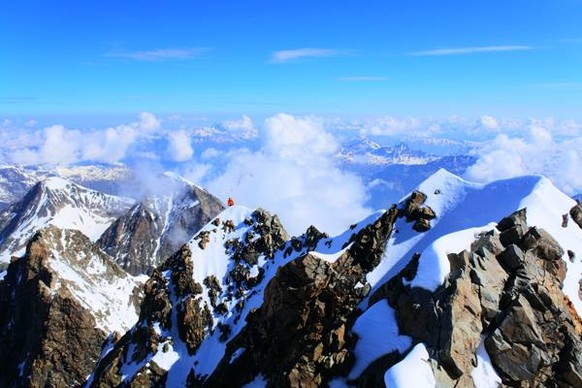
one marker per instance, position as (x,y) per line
(458,284)
(157,225)
(367,152)
(375,302)
(58,304)
(56,201)
(17,180)
(215,284)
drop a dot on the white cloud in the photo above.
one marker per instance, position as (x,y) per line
(160,54)
(210,153)
(392,126)
(148,122)
(536,152)
(290,137)
(179,147)
(294,175)
(244,125)
(283,56)
(469,50)
(59,145)
(489,122)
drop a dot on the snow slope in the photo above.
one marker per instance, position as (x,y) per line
(464,209)
(56,201)
(100,286)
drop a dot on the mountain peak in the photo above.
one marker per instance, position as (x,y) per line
(58,183)
(154,228)
(59,202)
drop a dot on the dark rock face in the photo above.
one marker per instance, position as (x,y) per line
(507,290)
(414,211)
(173,302)
(300,335)
(576,214)
(48,338)
(156,227)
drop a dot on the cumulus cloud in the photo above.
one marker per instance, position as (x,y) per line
(245,126)
(489,122)
(179,147)
(284,56)
(393,126)
(294,175)
(537,152)
(60,145)
(148,122)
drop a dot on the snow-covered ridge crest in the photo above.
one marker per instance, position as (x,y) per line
(59,202)
(230,263)
(466,216)
(464,209)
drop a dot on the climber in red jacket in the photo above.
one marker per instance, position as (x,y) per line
(230,201)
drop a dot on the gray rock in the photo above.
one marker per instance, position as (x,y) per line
(512,257)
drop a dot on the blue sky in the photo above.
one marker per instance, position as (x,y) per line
(417,58)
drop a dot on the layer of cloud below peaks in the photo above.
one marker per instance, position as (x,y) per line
(294,176)
(59,145)
(536,152)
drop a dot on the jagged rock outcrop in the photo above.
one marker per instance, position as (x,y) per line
(414,211)
(505,292)
(178,312)
(299,336)
(158,225)
(576,214)
(51,323)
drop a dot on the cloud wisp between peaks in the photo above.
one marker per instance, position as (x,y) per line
(285,56)
(163,54)
(469,50)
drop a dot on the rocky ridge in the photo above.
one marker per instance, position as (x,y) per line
(241,302)
(186,300)
(58,303)
(504,292)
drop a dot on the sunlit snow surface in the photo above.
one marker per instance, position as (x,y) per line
(377,332)
(65,205)
(95,286)
(484,376)
(413,371)
(465,209)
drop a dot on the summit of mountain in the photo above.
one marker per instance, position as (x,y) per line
(59,202)
(171,211)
